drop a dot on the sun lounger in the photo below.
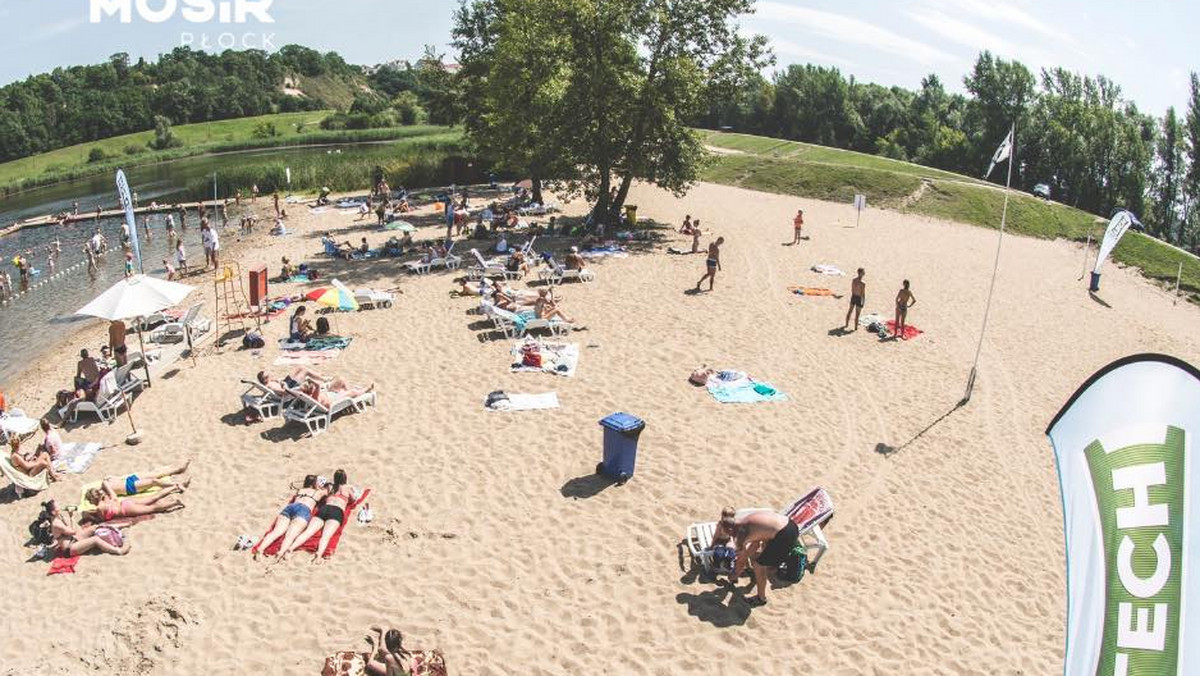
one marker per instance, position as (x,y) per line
(373,298)
(810,513)
(266,403)
(22,482)
(108,402)
(174,332)
(449,261)
(493,268)
(127,380)
(514,325)
(317,418)
(14,423)
(557,274)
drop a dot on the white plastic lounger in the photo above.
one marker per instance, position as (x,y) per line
(308,411)
(174,332)
(373,299)
(108,402)
(485,268)
(557,274)
(14,423)
(263,401)
(514,326)
(449,261)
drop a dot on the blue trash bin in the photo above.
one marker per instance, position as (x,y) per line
(621,431)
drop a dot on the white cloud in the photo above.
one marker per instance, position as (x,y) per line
(789,48)
(848,29)
(997,10)
(966,34)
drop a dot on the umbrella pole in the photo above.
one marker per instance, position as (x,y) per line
(142,349)
(135,437)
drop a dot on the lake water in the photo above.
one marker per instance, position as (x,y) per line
(42,317)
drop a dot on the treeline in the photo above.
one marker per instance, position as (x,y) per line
(401,94)
(86,103)
(1075,133)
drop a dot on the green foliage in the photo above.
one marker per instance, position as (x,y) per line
(97,155)
(164,138)
(265,129)
(837,183)
(133,149)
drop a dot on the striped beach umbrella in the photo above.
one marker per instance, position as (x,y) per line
(336,296)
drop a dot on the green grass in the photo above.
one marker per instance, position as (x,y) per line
(331,91)
(72,163)
(806,170)
(761,145)
(824,182)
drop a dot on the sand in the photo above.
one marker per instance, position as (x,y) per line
(493,542)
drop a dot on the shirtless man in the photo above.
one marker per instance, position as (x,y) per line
(713,263)
(904,300)
(798,225)
(87,372)
(763,539)
(858,296)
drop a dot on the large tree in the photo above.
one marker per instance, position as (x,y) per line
(1191,181)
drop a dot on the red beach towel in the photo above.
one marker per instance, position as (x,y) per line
(910,331)
(313,542)
(63,566)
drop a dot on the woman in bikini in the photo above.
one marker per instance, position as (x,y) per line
(330,516)
(109,508)
(293,518)
(55,531)
(115,487)
(547,308)
(388,656)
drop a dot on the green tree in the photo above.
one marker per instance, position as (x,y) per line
(1191,180)
(163,136)
(1001,92)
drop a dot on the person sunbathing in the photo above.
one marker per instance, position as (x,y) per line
(108,508)
(546,307)
(574,261)
(31,464)
(293,518)
(53,530)
(331,514)
(115,487)
(388,656)
(332,392)
(292,381)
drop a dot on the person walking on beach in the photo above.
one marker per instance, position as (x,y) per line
(858,296)
(91,259)
(180,257)
(182,217)
(712,263)
(208,239)
(797,226)
(904,300)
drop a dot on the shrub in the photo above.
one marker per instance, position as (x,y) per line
(97,155)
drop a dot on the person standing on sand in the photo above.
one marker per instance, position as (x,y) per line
(797,226)
(180,257)
(696,232)
(858,296)
(712,263)
(275,198)
(904,300)
(254,194)
(763,539)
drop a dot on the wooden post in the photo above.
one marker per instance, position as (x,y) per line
(1178,274)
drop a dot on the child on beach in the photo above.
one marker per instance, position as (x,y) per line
(904,300)
(181,257)
(798,226)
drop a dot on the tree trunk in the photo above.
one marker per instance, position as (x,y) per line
(537,188)
(601,213)
(622,193)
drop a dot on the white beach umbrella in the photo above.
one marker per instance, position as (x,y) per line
(136,297)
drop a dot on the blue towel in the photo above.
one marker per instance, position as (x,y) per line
(746,393)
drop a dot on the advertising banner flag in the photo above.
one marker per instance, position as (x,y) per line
(1116,230)
(1002,153)
(130,220)
(1124,446)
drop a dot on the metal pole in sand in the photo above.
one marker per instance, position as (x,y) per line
(1178,274)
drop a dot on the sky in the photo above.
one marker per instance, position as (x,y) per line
(1142,45)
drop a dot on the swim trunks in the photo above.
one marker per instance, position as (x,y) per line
(856,301)
(131,484)
(780,546)
(331,513)
(711,262)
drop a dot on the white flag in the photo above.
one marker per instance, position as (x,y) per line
(1002,153)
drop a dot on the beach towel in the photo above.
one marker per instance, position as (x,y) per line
(314,344)
(561,359)
(63,565)
(20,479)
(402,226)
(744,392)
(306,357)
(522,402)
(607,250)
(810,291)
(350,663)
(869,319)
(298,279)
(827,269)
(910,331)
(313,542)
(76,457)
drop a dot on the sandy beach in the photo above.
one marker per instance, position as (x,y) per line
(492,540)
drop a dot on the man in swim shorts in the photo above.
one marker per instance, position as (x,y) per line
(764,539)
(712,263)
(797,225)
(858,296)
(904,300)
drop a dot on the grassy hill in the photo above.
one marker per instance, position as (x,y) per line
(131,150)
(806,170)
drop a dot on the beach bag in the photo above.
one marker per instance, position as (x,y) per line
(700,376)
(253,340)
(531,356)
(723,557)
(793,566)
(345,663)
(110,535)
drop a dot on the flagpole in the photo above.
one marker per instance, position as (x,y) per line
(995,268)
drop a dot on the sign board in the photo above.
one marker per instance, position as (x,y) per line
(860,202)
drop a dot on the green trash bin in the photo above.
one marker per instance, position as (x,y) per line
(631,214)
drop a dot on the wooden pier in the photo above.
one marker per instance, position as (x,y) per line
(83,217)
